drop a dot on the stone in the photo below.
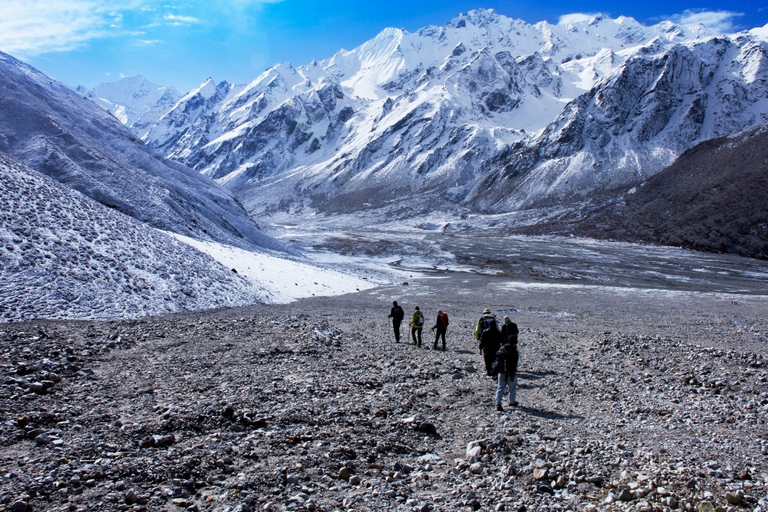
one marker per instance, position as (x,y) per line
(706,506)
(625,495)
(734,498)
(43,439)
(19,506)
(476,468)
(344,474)
(427,428)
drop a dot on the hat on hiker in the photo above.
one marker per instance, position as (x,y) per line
(486,311)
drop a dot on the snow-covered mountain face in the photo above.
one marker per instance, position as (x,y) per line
(57,132)
(485,113)
(63,255)
(135,101)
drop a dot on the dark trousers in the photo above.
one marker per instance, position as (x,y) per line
(414,332)
(490,356)
(440,332)
(396,326)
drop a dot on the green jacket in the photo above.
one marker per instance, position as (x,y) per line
(413,323)
(480,323)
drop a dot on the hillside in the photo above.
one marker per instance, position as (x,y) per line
(63,255)
(57,132)
(713,198)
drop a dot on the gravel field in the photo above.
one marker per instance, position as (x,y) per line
(631,399)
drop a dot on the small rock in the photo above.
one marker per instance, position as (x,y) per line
(540,473)
(427,428)
(476,468)
(131,498)
(344,474)
(625,495)
(43,439)
(354,480)
(734,498)
(37,387)
(706,506)
(19,506)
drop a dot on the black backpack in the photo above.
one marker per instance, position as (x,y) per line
(398,313)
(490,336)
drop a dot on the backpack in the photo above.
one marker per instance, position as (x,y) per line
(490,336)
(420,320)
(398,313)
(443,319)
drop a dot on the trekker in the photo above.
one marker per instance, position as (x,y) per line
(396,314)
(506,368)
(509,330)
(417,324)
(487,332)
(440,328)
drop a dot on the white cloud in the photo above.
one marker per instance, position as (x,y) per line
(32,27)
(721,21)
(29,27)
(177,20)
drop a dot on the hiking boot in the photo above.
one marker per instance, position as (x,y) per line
(499,408)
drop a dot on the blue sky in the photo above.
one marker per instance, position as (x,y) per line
(184,42)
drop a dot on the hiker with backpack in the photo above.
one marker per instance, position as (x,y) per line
(487,332)
(440,328)
(505,367)
(417,324)
(509,330)
(396,314)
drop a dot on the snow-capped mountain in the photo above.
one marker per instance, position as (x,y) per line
(135,101)
(58,132)
(485,113)
(63,255)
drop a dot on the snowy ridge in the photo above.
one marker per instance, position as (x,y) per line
(58,132)
(65,256)
(409,123)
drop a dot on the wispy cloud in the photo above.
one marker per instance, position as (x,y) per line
(28,27)
(721,21)
(178,20)
(32,27)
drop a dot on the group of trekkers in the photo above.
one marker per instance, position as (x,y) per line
(497,344)
(417,324)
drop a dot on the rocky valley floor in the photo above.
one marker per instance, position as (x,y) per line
(630,399)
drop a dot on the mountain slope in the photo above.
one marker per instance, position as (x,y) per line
(63,135)
(712,198)
(484,114)
(63,255)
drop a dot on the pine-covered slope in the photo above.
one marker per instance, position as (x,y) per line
(58,132)
(485,114)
